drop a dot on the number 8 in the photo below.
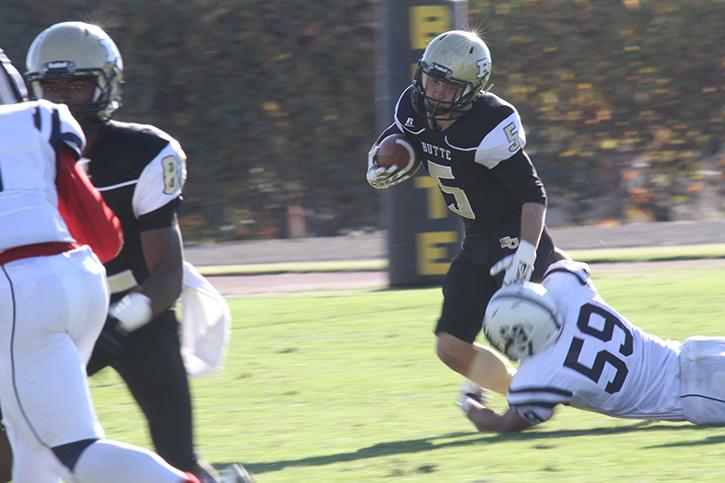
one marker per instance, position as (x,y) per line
(171,174)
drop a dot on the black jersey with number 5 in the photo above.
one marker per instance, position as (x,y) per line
(478,162)
(140,171)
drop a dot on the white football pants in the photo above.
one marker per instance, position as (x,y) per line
(702,379)
(51,312)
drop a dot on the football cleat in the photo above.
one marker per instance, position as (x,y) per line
(236,473)
(206,472)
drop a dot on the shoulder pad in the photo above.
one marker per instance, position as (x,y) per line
(407,120)
(58,126)
(470,130)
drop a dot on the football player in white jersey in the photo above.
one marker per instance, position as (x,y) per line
(577,350)
(55,299)
(140,171)
(472,142)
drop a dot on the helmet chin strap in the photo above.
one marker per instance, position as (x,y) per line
(444,120)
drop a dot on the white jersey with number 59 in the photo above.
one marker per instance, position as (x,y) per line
(30,134)
(600,362)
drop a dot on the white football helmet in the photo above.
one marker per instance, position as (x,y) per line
(521,320)
(12,87)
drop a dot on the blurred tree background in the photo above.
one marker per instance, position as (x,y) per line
(623,102)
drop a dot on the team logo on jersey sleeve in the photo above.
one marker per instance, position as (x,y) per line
(510,242)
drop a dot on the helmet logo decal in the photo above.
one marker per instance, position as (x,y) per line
(515,335)
(59,66)
(484,68)
(440,71)
(108,48)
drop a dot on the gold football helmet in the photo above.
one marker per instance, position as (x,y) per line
(462,61)
(80,50)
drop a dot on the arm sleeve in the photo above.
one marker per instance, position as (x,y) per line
(56,122)
(503,141)
(533,414)
(160,218)
(519,175)
(535,404)
(88,218)
(161,182)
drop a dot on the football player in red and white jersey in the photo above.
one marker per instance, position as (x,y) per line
(55,299)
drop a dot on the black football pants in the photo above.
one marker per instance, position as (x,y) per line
(151,365)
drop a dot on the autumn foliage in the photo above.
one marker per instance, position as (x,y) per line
(273,102)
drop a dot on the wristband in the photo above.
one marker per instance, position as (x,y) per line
(132,311)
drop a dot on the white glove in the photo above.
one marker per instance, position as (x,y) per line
(518,266)
(383,178)
(470,391)
(133,311)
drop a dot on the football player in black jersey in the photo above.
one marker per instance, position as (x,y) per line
(140,171)
(472,143)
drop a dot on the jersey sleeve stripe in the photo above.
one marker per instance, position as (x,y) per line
(73,141)
(55,131)
(117,185)
(580,278)
(703,396)
(474,148)
(529,415)
(538,396)
(541,404)
(537,399)
(37,119)
(552,390)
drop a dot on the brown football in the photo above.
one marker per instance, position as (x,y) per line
(396,150)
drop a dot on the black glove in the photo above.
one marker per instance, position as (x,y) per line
(111,340)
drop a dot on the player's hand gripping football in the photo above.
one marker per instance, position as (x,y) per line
(519,266)
(380,177)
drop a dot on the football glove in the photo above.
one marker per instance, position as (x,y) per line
(133,311)
(470,391)
(518,266)
(382,178)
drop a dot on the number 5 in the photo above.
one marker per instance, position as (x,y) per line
(512,135)
(462,206)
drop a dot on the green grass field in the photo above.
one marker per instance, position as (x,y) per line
(345,387)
